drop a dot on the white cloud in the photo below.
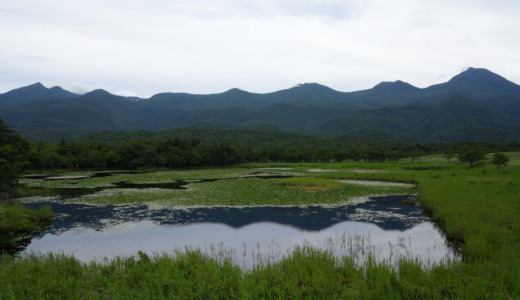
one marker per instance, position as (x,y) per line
(203,46)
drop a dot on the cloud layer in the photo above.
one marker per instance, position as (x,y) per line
(201,46)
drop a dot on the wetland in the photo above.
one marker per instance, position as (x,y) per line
(271,231)
(114,214)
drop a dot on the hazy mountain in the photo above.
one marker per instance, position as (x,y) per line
(55,118)
(474,105)
(33,92)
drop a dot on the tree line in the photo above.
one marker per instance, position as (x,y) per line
(13,158)
(178,153)
(192,153)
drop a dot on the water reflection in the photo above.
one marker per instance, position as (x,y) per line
(387,212)
(249,245)
(383,226)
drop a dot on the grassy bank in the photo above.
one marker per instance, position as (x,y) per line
(18,224)
(477,209)
(16,218)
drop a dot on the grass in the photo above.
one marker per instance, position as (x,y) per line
(17,222)
(310,184)
(476,208)
(306,274)
(17,218)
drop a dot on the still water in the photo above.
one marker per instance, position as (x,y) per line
(383,227)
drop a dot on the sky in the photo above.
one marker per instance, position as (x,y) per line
(141,48)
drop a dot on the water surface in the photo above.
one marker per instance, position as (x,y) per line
(383,226)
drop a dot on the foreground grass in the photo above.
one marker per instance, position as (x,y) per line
(306,274)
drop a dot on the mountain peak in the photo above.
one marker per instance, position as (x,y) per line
(311,87)
(32,92)
(57,89)
(98,93)
(479,76)
(235,91)
(37,85)
(307,85)
(396,86)
(32,88)
(483,78)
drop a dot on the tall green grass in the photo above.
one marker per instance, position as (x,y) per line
(15,217)
(306,274)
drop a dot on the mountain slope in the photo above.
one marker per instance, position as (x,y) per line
(65,118)
(475,104)
(455,119)
(31,93)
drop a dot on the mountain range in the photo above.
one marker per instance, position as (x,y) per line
(475,105)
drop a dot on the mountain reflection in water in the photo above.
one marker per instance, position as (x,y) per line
(387,212)
(93,232)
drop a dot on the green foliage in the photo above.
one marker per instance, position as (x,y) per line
(499,160)
(13,156)
(203,147)
(471,155)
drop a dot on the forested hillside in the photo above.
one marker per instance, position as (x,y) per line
(475,105)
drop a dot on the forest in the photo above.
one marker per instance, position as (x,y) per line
(194,153)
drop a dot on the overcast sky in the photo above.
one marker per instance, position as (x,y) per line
(137,47)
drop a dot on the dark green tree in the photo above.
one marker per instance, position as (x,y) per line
(500,160)
(471,155)
(13,157)
(449,153)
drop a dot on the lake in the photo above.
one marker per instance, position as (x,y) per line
(384,226)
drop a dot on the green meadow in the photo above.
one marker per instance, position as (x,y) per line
(477,209)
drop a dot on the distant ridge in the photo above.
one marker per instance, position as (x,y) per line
(476,104)
(31,93)
(472,76)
